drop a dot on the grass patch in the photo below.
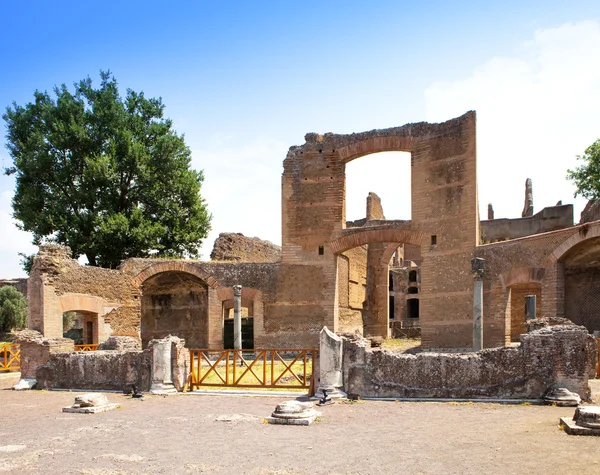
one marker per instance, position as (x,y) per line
(400,345)
(261,374)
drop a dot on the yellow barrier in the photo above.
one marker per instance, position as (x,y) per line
(290,368)
(10,358)
(86,347)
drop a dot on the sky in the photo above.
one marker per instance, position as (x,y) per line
(244,81)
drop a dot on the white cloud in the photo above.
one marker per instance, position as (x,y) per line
(536,111)
(242,187)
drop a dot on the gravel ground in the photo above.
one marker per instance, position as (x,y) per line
(227,435)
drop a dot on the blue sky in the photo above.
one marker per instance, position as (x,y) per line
(246,80)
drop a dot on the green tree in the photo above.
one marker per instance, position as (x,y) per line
(106,176)
(587,176)
(13,309)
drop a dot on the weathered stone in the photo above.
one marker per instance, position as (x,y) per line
(523,372)
(528,207)
(585,421)
(330,365)
(239,248)
(562,397)
(90,400)
(121,343)
(90,403)
(293,413)
(25,383)
(161,367)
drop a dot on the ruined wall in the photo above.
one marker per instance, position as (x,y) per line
(582,296)
(98,370)
(239,248)
(444,214)
(551,218)
(559,356)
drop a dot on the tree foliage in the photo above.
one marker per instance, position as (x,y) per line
(587,176)
(105,175)
(13,309)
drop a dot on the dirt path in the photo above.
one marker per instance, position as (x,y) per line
(227,435)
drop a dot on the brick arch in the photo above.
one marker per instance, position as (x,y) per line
(174,266)
(81,303)
(389,252)
(376,145)
(226,293)
(360,237)
(522,275)
(584,232)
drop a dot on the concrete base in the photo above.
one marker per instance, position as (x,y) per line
(162,389)
(91,410)
(333,393)
(571,428)
(305,421)
(25,383)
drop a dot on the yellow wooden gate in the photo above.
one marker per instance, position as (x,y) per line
(10,358)
(290,368)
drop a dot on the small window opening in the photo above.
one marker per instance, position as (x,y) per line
(392,310)
(433,239)
(412,307)
(412,290)
(412,276)
(391,282)
(321,250)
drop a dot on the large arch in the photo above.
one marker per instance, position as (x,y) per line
(179,298)
(354,237)
(372,145)
(522,275)
(574,284)
(174,266)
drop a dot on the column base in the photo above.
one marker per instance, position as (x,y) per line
(332,393)
(163,388)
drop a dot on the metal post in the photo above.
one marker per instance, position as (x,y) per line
(477,266)
(530,310)
(237,317)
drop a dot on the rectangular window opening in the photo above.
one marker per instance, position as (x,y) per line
(321,250)
(433,239)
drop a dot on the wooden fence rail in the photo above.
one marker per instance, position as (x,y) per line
(89,347)
(290,368)
(10,358)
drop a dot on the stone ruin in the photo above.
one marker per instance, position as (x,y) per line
(372,277)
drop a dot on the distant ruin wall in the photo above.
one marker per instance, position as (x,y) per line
(239,248)
(559,356)
(549,219)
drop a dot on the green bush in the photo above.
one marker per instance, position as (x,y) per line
(13,309)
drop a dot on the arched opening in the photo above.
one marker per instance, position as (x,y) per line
(518,292)
(175,303)
(388,174)
(247,313)
(73,327)
(581,264)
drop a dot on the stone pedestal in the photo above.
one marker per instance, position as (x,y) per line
(162,382)
(294,413)
(330,365)
(585,421)
(562,397)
